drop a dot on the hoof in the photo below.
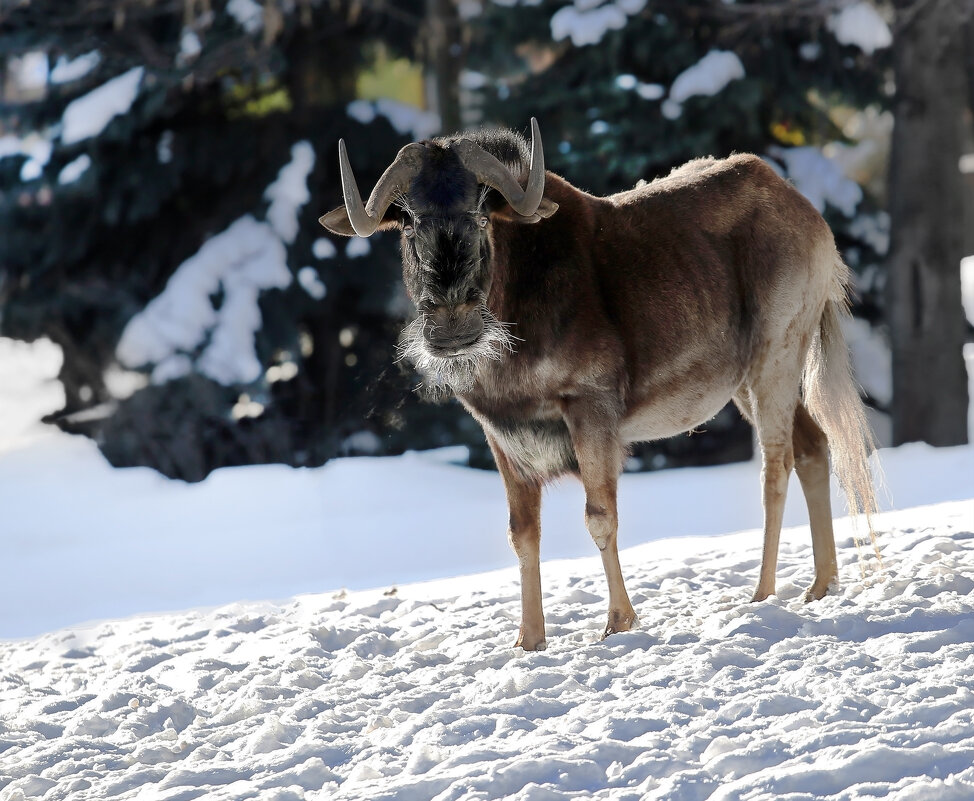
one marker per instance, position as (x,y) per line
(619,622)
(761,595)
(818,591)
(531,643)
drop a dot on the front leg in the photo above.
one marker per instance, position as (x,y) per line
(524,533)
(599,451)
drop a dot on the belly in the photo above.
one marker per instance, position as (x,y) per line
(667,411)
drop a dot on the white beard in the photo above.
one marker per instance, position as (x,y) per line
(445,374)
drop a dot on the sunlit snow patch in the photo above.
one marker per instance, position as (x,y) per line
(324,248)
(74,170)
(405,118)
(67,70)
(29,388)
(311,282)
(290,191)
(707,77)
(818,178)
(860,25)
(241,261)
(872,358)
(967,287)
(587,21)
(357,247)
(88,115)
(248,14)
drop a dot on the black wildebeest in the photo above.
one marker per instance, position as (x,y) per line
(571,325)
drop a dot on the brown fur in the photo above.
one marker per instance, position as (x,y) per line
(638,316)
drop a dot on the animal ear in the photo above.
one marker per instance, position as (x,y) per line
(337,222)
(545,210)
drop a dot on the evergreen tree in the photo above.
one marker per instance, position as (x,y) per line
(104,196)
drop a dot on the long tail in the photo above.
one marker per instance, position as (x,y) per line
(831,395)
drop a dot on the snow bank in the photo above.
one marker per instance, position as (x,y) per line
(88,115)
(818,178)
(861,25)
(708,76)
(418,694)
(241,261)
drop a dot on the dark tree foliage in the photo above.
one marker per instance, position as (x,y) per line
(77,261)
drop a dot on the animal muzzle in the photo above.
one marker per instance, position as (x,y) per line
(451,329)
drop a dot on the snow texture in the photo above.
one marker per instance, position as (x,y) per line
(72,171)
(418,694)
(248,14)
(586,22)
(68,70)
(241,261)
(819,178)
(707,77)
(290,191)
(405,118)
(861,25)
(414,691)
(88,115)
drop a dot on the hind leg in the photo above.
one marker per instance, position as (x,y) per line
(812,465)
(772,413)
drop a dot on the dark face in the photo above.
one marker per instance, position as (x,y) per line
(445,266)
(446,269)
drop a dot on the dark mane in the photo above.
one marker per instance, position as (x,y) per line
(510,147)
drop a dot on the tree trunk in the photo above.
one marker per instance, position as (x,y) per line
(443,51)
(926,206)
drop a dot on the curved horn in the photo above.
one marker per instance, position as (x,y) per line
(365,218)
(489,170)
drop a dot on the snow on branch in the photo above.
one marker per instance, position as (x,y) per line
(707,77)
(290,191)
(240,261)
(861,25)
(88,115)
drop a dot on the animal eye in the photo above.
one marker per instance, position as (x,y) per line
(482,221)
(408,231)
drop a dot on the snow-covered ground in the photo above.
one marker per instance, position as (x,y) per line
(379,687)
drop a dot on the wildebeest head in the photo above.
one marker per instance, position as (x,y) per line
(443,194)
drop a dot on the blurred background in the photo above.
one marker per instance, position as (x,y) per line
(163,164)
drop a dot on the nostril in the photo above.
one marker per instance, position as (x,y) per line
(453,328)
